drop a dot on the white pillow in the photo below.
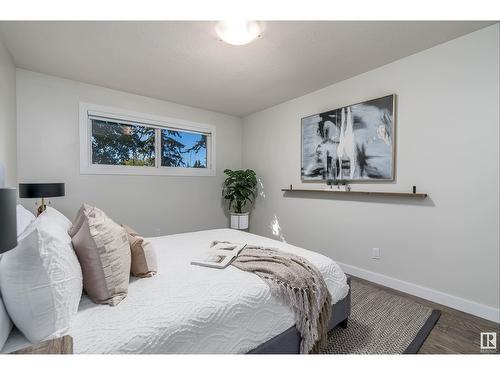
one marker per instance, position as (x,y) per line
(41,279)
(24,219)
(5,324)
(58,217)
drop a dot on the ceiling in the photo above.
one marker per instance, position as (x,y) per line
(184,62)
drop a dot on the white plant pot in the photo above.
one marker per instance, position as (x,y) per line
(239,221)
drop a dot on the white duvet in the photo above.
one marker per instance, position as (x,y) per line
(192,309)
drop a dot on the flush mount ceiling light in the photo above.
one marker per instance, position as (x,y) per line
(237,32)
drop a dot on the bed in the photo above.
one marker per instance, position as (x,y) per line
(193,309)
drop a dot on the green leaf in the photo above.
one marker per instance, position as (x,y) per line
(239,188)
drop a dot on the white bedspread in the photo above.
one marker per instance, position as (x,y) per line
(192,309)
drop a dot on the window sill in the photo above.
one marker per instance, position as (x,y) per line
(146,171)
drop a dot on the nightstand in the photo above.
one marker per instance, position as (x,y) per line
(61,345)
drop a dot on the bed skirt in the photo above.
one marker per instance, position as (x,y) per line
(288,342)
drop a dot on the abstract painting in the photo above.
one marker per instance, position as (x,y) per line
(353,143)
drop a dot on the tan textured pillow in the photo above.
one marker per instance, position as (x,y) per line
(103,250)
(77,223)
(143,255)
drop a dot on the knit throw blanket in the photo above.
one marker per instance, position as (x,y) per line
(296,282)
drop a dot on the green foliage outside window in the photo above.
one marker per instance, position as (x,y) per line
(114,143)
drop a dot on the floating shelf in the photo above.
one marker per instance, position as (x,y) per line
(363,193)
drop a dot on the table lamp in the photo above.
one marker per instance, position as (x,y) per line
(41,190)
(8,220)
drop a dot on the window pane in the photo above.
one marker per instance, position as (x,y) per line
(183,149)
(122,144)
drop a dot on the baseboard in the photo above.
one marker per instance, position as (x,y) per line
(470,307)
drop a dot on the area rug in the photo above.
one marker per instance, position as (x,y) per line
(381,323)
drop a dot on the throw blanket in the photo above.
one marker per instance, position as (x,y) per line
(296,282)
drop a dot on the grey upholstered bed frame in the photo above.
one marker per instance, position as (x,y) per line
(288,342)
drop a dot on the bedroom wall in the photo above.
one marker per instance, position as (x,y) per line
(445,248)
(48,136)
(8,144)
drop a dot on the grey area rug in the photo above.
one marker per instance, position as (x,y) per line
(381,323)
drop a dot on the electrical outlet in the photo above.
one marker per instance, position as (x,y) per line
(376,253)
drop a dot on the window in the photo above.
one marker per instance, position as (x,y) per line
(183,149)
(113,141)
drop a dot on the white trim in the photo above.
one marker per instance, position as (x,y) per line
(458,303)
(86,167)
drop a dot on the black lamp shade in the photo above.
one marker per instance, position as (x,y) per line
(8,220)
(41,190)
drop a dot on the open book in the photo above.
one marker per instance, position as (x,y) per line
(221,255)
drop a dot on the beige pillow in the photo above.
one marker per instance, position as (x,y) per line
(103,250)
(143,255)
(77,223)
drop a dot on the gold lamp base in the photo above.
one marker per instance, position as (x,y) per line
(41,208)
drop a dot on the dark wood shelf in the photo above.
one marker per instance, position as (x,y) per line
(365,193)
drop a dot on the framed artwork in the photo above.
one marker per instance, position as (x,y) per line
(354,143)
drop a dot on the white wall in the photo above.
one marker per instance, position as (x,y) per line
(445,248)
(47,109)
(7,116)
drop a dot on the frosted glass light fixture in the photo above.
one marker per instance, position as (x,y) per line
(237,32)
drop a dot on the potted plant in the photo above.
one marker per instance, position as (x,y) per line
(330,182)
(239,188)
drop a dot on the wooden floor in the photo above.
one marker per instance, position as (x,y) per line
(455,332)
